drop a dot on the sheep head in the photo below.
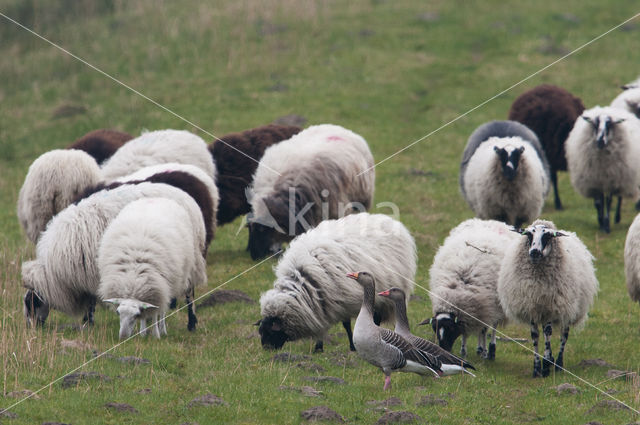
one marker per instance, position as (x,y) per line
(446,327)
(36,309)
(539,240)
(129,310)
(509,160)
(602,125)
(272,334)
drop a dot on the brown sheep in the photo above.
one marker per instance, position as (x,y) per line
(235,170)
(550,112)
(101,144)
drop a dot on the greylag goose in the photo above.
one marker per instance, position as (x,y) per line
(402,328)
(382,347)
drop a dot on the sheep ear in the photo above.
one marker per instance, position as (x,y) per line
(114,301)
(258,322)
(497,149)
(559,234)
(521,149)
(587,119)
(517,229)
(145,306)
(618,121)
(455,319)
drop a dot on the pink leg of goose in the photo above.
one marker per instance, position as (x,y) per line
(387,382)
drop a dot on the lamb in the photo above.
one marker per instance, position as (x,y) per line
(629,100)
(146,257)
(463,283)
(54,179)
(236,156)
(603,152)
(64,275)
(323,172)
(632,259)
(504,174)
(547,278)
(312,292)
(101,144)
(549,111)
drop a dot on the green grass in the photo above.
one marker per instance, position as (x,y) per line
(392,71)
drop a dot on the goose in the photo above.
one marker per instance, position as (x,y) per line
(382,347)
(450,362)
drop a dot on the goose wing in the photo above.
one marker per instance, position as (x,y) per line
(440,353)
(409,352)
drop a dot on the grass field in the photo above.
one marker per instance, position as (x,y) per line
(392,71)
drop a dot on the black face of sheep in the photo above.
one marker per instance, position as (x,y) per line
(602,127)
(271,334)
(261,241)
(446,328)
(539,239)
(509,161)
(35,308)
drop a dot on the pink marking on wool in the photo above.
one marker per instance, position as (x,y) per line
(334,138)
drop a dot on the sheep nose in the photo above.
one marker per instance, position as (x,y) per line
(535,254)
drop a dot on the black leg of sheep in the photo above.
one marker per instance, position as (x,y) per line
(563,342)
(548,360)
(191,325)
(88,317)
(537,369)
(347,327)
(617,219)
(554,180)
(319,348)
(599,203)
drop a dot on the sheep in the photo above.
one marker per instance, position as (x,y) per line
(312,292)
(463,282)
(504,174)
(64,274)
(549,111)
(146,257)
(236,156)
(629,100)
(54,179)
(101,144)
(632,259)
(603,154)
(159,147)
(547,278)
(323,172)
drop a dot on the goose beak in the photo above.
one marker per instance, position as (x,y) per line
(353,276)
(384,293)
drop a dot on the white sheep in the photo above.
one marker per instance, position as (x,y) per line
(463,283)
(504,174)
(312,292)
(53,181)
(603,152)
(64,274)
(632,259)
(147,256)
(629,100)
(547,278)
(323,172)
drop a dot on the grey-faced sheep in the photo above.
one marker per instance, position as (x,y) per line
(147,256)
(547,278)
(64,274)
(323,172)
(603,152)
(504,174)
(629,100)
(632,259)
(101,144)
(549,111)
(463,283)
(237,159)
(312,292)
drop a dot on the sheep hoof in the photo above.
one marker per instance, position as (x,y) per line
(546,365)
(491,355)
(319,348)
(480,351)
(536,368)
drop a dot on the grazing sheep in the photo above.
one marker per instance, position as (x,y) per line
(237,159)
(146,257)
(603,152)
(632,259)
(64,274)
(504,174)
(313,176)
(463,282)
(101,144)
(629,100)
(54,179)
(547,278)
(311,292)
(159,147)
(550,112)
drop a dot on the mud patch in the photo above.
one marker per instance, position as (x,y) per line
(121,407)
(566,388)
(72,379)
(23,394)
(402,417)
(595,362)
(223,296)
(321,413)
(207,400)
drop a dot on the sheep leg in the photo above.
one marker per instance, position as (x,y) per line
(548,360)
(598,202)
(91,309)
(554,180)
(163,325)
(618,206)
(143,326)
(638,205)
(607,214)
(173,303)
(536,357)
(563,342)
(191,325)
(319,348)
(463,348)
(491,355)
(347,327)
(155,331)
(482,343)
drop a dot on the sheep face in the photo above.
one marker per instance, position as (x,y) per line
(446,328)
(509,160)
(129,310)
(602,126)
(271,333)
(35,309)
(539,241)
(261,241)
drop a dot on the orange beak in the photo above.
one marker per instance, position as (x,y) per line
(384,293)
(353,275)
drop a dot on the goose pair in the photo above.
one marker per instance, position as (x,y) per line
(400,350)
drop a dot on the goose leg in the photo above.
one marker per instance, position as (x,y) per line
(536,357)
(563,342)
(548,357)
(492,345)
(387,382)
(617,219)
(347,327)
(463,348)
(482,342)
